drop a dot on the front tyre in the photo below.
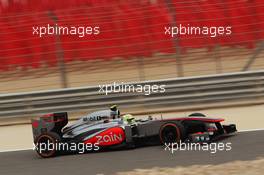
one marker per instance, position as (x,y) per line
(171,133)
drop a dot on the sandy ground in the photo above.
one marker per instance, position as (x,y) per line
(255,167)
(195,62)
(20,136)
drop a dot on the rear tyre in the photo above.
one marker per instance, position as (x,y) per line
(46,144)
(172,133)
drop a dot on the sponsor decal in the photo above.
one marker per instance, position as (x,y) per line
(111,136)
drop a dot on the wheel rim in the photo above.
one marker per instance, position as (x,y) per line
(48,143)
(169,134)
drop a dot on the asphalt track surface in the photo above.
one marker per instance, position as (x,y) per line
(245,146)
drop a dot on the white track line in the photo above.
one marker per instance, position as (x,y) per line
(26,149)
(249,130)
(14,150)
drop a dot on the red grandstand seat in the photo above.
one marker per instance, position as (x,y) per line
(70,43)
(118,28)
(159,19)
(241,20)
(14,47)
(89,48)
(259,10)
(187,16)
(211,17)
(3,52)
(49,49)
(135,45)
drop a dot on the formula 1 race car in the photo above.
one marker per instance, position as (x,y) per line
(99,132)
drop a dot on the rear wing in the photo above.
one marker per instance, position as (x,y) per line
(49,123)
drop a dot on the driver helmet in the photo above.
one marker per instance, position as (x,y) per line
(115,113)
(128,119)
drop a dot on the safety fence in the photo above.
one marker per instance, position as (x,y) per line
(179,92)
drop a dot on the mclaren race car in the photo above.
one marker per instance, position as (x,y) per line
(102,130)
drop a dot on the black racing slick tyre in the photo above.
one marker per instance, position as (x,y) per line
(46,144)
(172,133)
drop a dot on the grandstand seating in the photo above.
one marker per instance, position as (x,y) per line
(128,29)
